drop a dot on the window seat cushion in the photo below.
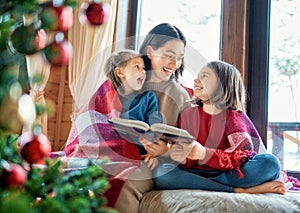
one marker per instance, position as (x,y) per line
(204,201)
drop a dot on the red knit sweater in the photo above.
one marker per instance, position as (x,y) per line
(229,138)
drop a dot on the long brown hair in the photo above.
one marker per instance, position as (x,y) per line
(158,37)
(230,93)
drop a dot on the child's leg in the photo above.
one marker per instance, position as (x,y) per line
(261,168)
(170,176)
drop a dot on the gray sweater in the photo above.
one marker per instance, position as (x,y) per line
(171,98)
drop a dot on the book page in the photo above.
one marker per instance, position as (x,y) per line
(163,128)
(130,123)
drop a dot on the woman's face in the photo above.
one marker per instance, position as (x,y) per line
(206,84)
(165,60)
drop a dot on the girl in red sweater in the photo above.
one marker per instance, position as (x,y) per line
(227,154)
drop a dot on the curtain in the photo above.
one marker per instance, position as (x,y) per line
(38,70)
(37,67)
(92,45)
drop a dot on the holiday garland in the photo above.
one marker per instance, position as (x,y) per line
(30,180)
(36,188)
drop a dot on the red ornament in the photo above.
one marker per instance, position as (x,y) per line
(59,53)
(57,18)
(94,13)
(28,39)
(13,176)
(36,148)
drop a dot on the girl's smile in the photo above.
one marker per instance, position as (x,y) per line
(141,79)
(205,85)
(133,75)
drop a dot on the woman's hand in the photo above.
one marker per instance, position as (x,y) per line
(154,149)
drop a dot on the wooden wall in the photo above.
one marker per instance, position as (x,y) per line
(234,44)
(59,123)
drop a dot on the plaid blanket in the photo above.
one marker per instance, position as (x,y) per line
(93,138)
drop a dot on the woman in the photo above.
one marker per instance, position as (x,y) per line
(163,53)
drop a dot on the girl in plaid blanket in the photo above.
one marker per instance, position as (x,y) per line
(93,138)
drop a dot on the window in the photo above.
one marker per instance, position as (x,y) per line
(245,39)
(284,87)
(199,21)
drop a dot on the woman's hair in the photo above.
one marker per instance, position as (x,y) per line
(118,59)
(157,38)
(230,92)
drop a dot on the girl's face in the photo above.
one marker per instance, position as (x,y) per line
(206,84)
(165,60)
(132,75)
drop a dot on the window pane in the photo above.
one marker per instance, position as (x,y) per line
(284,85)
(198,20)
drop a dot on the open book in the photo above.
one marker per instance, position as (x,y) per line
(158,130)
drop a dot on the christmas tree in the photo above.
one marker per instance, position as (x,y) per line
(31,181)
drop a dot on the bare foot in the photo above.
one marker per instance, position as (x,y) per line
(268,187)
